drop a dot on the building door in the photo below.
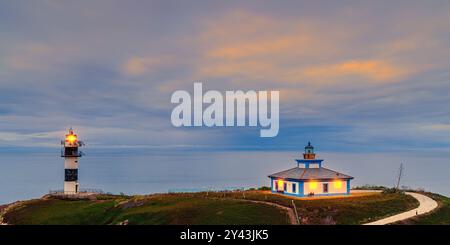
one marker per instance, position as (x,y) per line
(325,188)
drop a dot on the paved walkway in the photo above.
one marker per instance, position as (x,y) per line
(426,205)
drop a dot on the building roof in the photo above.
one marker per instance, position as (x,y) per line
(309,174)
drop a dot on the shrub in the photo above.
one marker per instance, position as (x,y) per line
(370,187)
(391,191)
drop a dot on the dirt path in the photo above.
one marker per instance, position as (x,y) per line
(426,205)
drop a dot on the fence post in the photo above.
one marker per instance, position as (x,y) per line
(296,214)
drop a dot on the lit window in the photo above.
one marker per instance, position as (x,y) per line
(313,185)
(337,184)
(280,185)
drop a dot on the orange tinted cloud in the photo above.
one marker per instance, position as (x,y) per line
(246,47)
(377,70)
(29,57)
(280,45)
(137,66)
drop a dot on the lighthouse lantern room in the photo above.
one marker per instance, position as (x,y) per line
(71,154)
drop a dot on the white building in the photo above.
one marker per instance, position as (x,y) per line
(310,178)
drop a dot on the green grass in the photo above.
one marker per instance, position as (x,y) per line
(343,210)
(208,208)
(56,211)
(158,209)
(174,209)
(439,217)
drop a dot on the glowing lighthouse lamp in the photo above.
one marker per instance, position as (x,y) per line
(71,154)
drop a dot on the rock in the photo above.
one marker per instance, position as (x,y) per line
(125,222)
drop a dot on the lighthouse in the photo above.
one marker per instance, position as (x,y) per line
(71,154)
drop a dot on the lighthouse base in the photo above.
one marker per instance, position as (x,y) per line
(71,187)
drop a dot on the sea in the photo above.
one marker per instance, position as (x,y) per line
(32,174)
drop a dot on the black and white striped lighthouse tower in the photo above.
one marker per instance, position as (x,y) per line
(71,154)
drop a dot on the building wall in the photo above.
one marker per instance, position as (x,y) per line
(70,162)
(304,188)
(278,186)
(70,187)
(334,187)
(308,165)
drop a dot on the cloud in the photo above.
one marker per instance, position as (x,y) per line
(138,66)
(41,139)
(29,57)
(372,70)
(114,68)
(437,127)
(297,51)
(272,46)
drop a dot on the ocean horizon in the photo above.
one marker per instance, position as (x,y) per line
(32,174)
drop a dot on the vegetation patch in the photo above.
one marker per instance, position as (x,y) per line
(355,209)
(56,211)
(156,209)
(236,207)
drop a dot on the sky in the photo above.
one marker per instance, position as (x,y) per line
(352,75)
